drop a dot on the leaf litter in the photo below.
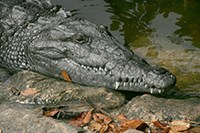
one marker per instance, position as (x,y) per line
(100,121)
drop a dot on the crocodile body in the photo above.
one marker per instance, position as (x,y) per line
(37,36)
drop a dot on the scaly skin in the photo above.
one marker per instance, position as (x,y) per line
(46,39)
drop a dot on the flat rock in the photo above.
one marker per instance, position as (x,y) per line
(4,75)
(57,92)
(148,108)
(18,112)
(14,119)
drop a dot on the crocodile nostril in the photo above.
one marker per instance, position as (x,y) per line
(159,70)
(80,38)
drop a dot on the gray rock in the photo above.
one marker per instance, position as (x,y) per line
(18,112)
(57,92)
(14,119)
(148,108)
(4,75)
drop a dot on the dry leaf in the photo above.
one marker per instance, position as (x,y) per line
(107,120)
(51,113)
(104,128)
(87,117)
(29,91)
(77,121)
(82,119)
(66,76)
(104,123)
(101,118)
(96,118)
(94,126)
(164,127)
(132,124)
(122,118)
(179,125)
(113,128)
(166,130)
(159,124)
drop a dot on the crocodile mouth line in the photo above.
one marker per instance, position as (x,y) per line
(152,89)
(124,82)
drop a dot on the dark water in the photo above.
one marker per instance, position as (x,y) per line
(163,32)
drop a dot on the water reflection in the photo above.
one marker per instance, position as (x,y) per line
(176,20)
(131,18)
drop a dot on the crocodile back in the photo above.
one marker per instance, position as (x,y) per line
(15,15)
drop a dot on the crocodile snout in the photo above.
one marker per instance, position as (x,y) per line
(159,70)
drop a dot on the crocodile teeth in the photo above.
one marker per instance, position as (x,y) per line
(89,68)
(100,69)
(159,91)
(117,85)
(151,90)
(110,73)
(84,67)
(105,69)
(95,69)
(125,84)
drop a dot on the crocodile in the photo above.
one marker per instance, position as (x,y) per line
(38,36)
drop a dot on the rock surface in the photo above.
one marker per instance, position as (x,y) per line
(4,75)
(19,113)
(148,108)
(14,119)
(54,91)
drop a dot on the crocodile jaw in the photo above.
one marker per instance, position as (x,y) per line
(93,58)
(138,78)
(153,80)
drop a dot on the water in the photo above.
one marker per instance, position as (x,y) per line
(163,32)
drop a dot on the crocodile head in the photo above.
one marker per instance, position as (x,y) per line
(91,56)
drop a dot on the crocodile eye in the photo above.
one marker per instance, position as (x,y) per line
(104,30)
(80,38)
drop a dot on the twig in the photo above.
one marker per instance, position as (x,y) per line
(115,119)
(193,122)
